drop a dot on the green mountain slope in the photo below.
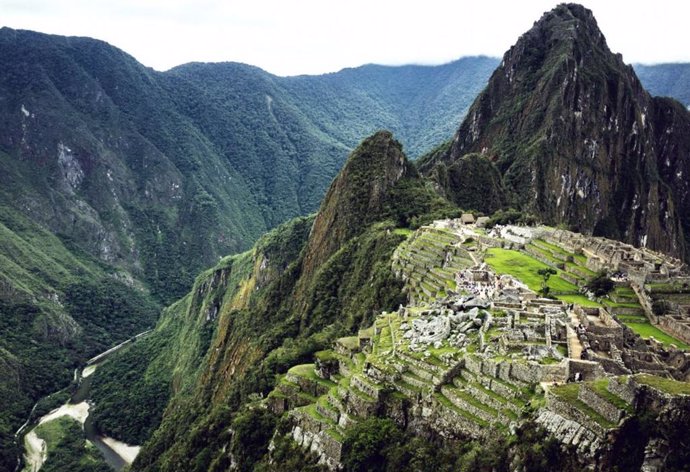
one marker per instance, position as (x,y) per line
(270,308)
(113,173)
(666,80)
(129,162)
(422,105)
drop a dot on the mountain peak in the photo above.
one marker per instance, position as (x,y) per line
(568,20)
(574,136)
(358,195)
(568,31)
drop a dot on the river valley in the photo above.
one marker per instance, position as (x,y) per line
(36,450)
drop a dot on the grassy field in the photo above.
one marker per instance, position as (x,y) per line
(646,330)
(403,231)
(524,268)
(579,300)
(673,387)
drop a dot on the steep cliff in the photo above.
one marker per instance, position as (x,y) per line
(576,138)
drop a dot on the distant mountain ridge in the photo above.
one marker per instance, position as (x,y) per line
(666,80)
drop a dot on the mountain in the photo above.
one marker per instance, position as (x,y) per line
(197,389)
(577,140)
(666,80)
(118,184)
(256,314)
(421,105)
(128,162)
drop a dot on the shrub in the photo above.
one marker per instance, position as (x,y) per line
(600,284)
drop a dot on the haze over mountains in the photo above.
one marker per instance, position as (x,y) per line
(119,185)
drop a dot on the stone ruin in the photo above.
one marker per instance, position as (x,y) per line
(437,326)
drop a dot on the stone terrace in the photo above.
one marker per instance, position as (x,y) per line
(474,352)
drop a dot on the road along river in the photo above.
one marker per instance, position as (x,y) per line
(116,453)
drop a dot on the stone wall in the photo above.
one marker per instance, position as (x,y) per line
(473,364)
(645,301)
(676,328)
(607,319)
(277,404)
(309,434)
(624,389)
(598,404)
(565,409)
(588,369)
(613,367)
(359,406)
(532,373)
(307,385)
(447,422)
(363,386)
(325,368)
(570,432)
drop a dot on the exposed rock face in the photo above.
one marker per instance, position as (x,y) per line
(578,140)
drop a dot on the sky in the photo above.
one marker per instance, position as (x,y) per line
(291,37)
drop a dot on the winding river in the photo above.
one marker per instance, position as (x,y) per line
(116,453)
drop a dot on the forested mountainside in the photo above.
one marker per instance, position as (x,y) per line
(576,139)
(272,307)
(666,80)
(118,184)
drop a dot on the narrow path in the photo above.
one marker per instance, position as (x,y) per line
(574,344)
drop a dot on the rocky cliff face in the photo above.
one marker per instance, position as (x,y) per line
(577,139)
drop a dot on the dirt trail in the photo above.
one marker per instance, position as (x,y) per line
(574,344)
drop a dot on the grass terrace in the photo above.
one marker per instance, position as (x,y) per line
(524,268)
(646,330)
(403,232)
(579,300)
(674,387)
(667,288)
(569,393)
(600,387)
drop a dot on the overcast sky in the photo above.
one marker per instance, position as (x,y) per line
(292,37)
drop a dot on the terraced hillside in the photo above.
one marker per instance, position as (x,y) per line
(428,262)
(476,352)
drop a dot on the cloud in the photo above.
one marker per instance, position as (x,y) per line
(309,36)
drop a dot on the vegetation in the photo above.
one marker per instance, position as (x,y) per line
(674,387)
(526,269)
(511,217)
(579,300)
(68,449)
(377,444)
(129,393)
(600,285)
(646,330)
(545,274)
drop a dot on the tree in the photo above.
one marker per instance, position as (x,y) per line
(600,284)
(545,274)
(366,444)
